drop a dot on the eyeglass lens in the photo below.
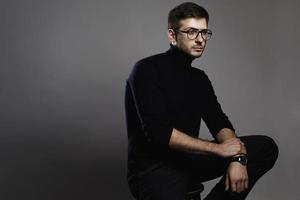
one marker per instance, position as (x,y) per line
(194,33)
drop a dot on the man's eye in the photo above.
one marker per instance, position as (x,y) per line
(205,31)
(192,31)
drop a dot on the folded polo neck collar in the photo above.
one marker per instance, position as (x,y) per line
(179,56)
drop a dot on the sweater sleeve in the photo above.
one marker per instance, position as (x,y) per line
(150,103)
(212,113)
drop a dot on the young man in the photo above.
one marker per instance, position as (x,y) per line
(165,100)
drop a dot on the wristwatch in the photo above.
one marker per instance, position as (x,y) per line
(241,159)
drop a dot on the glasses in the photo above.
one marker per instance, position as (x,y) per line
(193,33)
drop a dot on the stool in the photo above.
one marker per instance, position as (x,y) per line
(194,192)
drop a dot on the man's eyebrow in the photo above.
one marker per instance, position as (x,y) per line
(190,27)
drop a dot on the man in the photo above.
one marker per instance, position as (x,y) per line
(165,100)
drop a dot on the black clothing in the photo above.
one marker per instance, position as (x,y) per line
(168,181)
(164,91)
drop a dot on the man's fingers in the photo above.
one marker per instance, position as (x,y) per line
(227,182)
(233,186)
(242,186)
(246,184)
(233,147)
(239,186)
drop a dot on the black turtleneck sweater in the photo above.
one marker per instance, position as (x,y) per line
(164,92)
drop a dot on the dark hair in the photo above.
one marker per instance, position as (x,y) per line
(184,11)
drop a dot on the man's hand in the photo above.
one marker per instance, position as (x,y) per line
(231,147)
(236,177)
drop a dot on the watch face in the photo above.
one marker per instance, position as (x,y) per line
(243,160)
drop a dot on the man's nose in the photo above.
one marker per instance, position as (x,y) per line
(199,37)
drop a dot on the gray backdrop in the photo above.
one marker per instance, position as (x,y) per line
(63,68)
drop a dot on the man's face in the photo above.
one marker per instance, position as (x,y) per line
(196,46)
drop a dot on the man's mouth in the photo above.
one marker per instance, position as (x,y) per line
(198,48)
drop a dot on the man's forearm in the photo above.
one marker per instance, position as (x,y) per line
(225,134)
(183,142)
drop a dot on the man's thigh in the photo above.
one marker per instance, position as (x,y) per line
(203,168)
(207,167)
(165,182)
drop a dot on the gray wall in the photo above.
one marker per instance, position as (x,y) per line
(63,66)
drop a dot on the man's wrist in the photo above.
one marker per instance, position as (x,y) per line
(241,158)
(240,154)
(213,148)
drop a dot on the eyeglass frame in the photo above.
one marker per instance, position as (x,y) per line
(199,31)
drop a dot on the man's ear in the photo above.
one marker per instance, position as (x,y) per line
(172,36)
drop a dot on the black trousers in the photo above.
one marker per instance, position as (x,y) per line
(172,179)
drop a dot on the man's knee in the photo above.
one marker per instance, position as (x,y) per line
(272,149)
(261,148)
(269,150)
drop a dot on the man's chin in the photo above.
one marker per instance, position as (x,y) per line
(196,55)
